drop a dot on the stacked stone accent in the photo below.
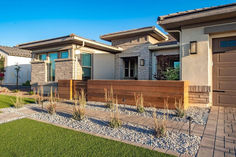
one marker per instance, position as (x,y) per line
(38,72)
(134,47)
(64,69)
(199,94)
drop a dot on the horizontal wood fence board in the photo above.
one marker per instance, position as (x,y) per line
(154,91)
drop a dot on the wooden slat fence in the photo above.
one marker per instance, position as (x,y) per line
(65,89)
(68,88)
(154,91)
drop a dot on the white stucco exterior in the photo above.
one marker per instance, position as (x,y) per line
(10,74)
(103,65)
(196,67)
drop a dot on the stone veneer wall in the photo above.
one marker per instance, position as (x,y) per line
(199,94)
(38,72)
(64,69)
(142,52)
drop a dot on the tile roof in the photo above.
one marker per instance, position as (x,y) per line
(195,11)
(14,51)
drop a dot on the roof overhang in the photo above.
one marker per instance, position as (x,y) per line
(152,31)
(192,17)
(165,47)
(70,39)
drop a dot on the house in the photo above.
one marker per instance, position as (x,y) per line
(70,57)
(200,42)
(135,61)
(14,56)
(207,48)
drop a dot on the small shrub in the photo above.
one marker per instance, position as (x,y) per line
(27,83)
(18,103)
(139,102)
(109,98)
(31,92)
(78,112)
(115,121)
(51,108)
(179,108)
(160,126)
(15,91)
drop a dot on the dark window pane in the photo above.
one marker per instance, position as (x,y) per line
(228,43)
(86,59)
(86,73)
(126,72)
(131,73)
(126,63)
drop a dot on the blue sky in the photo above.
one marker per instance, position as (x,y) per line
(27,20)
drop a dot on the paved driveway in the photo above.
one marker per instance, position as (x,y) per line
(219,136)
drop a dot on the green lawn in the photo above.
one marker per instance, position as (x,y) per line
(27,137)
(6,101)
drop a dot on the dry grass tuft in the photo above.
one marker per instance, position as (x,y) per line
(51,108)
(19,102)
(115,119)
(161,124)
(109,97)
(139,101)
(79,111)
(179,108)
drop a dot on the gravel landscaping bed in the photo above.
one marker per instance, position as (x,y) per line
(179,142)
(199,114)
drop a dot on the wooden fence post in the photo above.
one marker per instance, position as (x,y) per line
(71,89)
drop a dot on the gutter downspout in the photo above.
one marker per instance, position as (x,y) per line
(180,49)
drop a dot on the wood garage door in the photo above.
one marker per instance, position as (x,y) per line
(224,72)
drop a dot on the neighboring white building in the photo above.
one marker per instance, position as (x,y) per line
(15,56)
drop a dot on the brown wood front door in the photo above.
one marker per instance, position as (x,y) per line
(224,78)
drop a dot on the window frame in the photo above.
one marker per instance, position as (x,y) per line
(89,67)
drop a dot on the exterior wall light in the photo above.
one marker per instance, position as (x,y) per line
(193,47)
(142,62)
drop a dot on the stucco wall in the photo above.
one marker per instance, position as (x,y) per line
(10,74)
(196,67)
(103,65)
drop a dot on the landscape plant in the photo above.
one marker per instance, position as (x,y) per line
(17,69)
(160,125)
(179,108)
(115,121)
(139,102)
(18,102)
(79,110)
(2,67)
(109,98)
(51,108)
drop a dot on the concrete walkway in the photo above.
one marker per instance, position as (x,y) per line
(219,137)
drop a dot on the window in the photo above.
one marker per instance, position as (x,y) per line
(43,57)
(86,65)
(130,70)
(176,64)
(228,43)
(51,66)
(63,54)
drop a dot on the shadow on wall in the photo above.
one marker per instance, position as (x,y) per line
(10,74)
